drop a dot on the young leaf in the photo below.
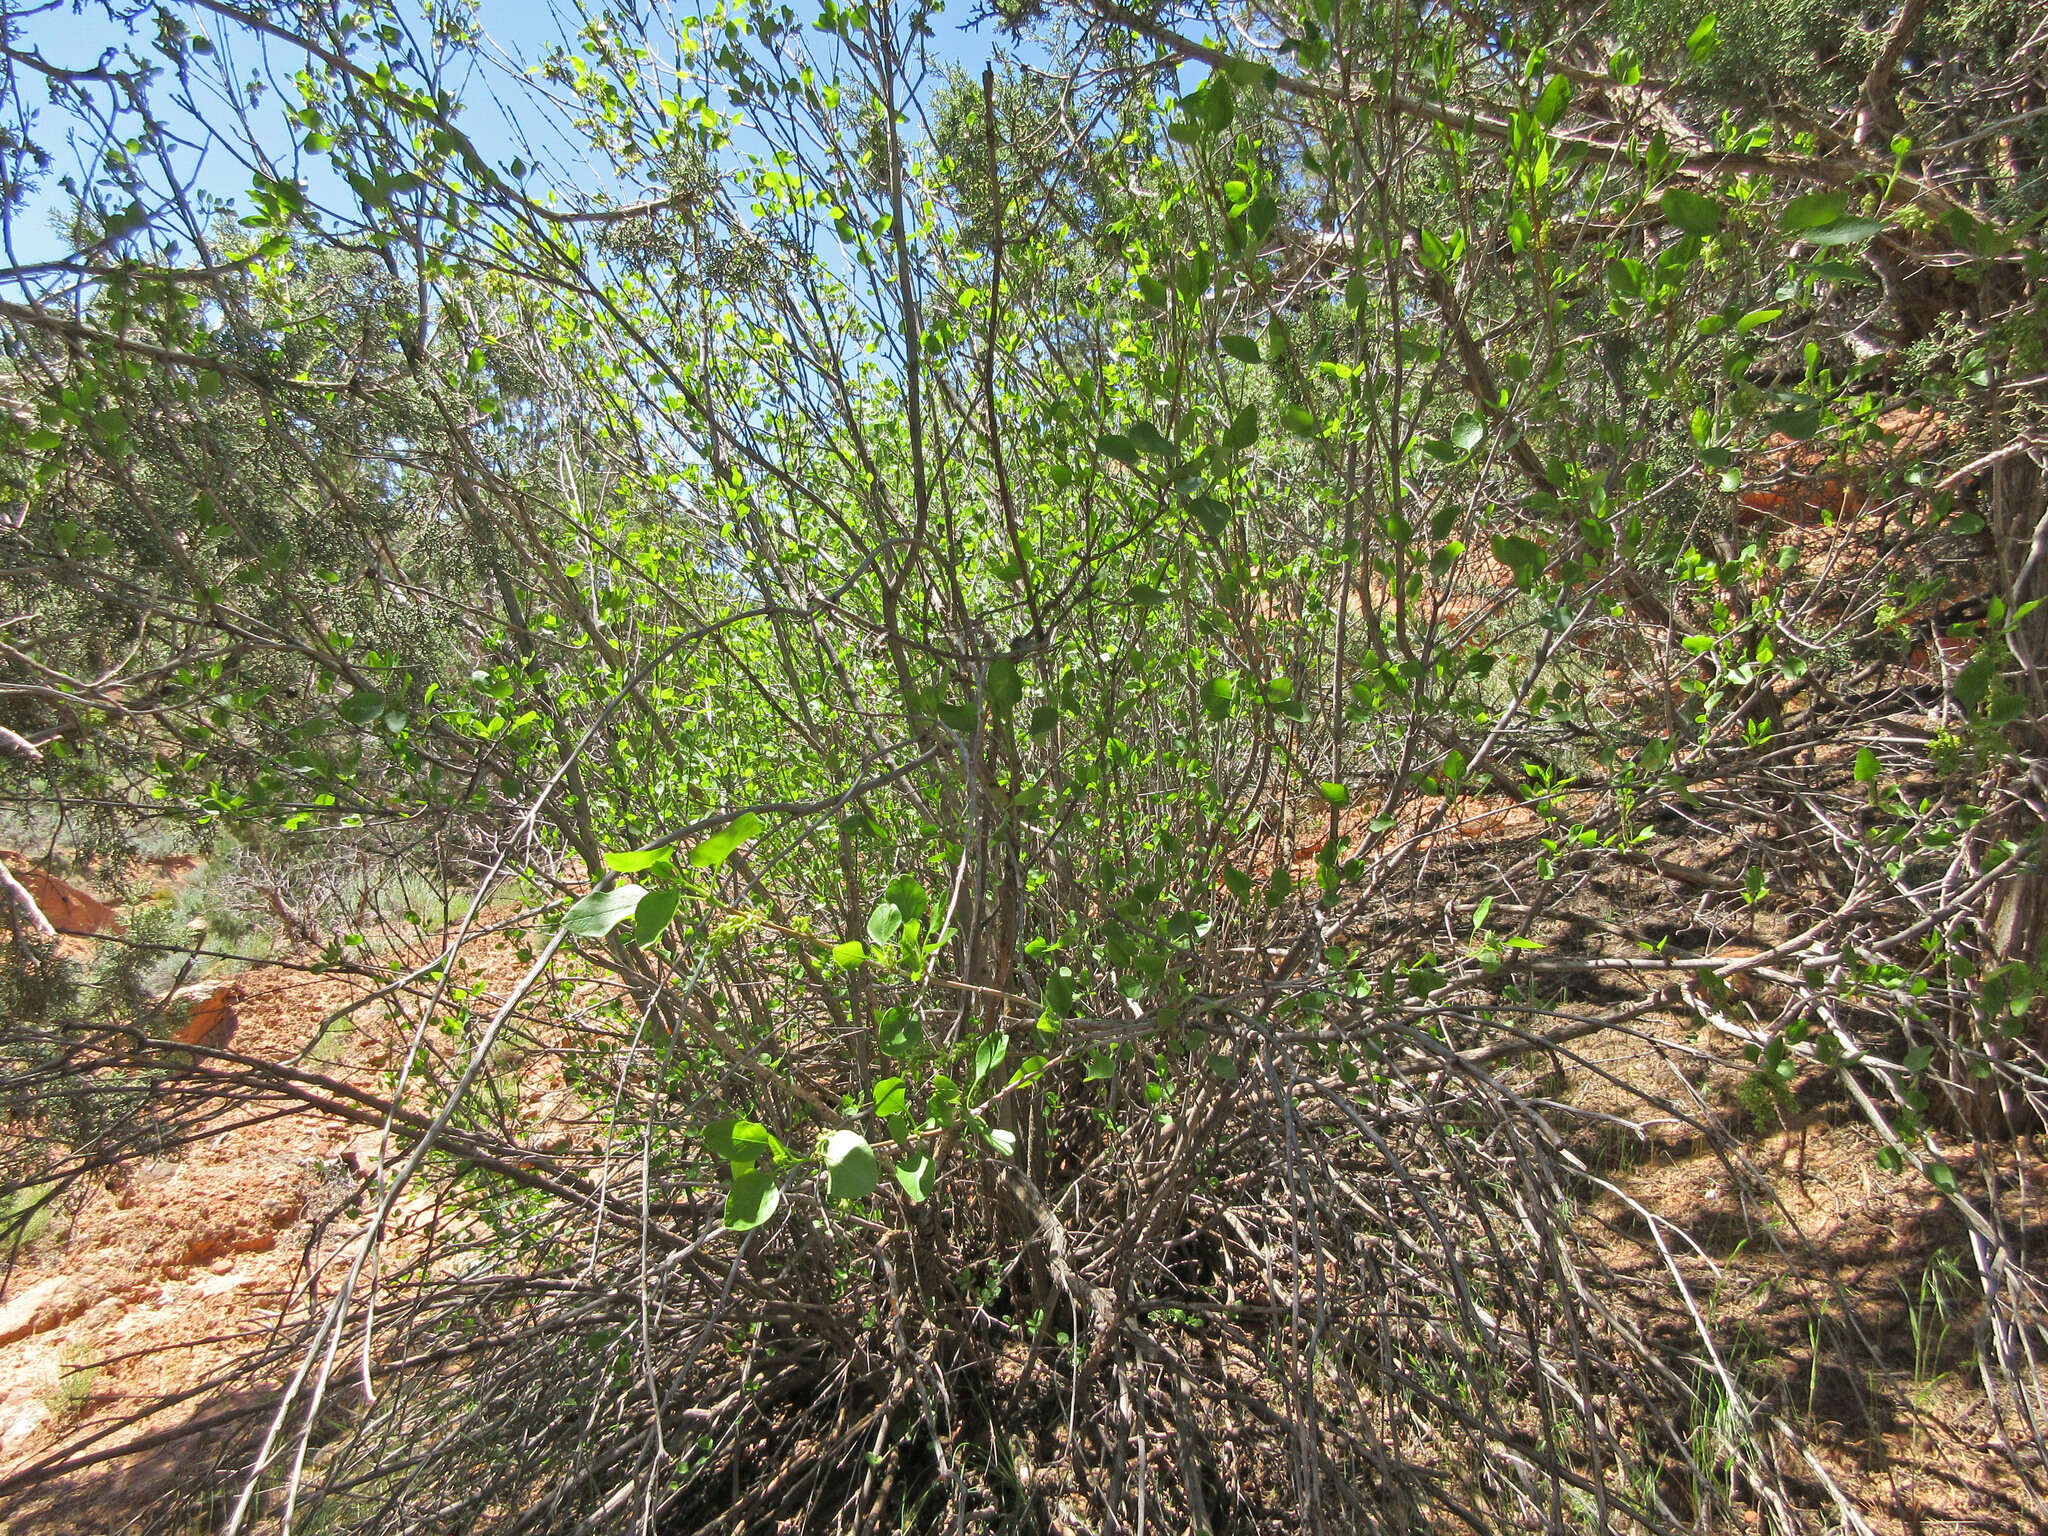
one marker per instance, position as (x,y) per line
(884,923)
(1813,211)
(634,862)
(1005,685)
(899,1032)
(1691,212)
(1866,766)
(908,896)
(722,844)
(752,1200)
(989,1054)
(651,918)
(849,954)
(890,1098)
(914,1174)
(850,1165)
(601,911)
(1337,794)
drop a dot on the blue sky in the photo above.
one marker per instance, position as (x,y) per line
(497,119)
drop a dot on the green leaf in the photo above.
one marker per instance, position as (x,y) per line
(1043,719)
(1813,211)
(851,1169)
(1691,212)
(633,863)
(890,1097)
(601,911)
(1243,348)
(738,1140)
(1243,430)
(1479,913)
(899,1032)
(1704,40)
(752,1200)
(914,1174)
(849,954)
(1941,1176)
(1551,104)
(1004,1143)
(1522,556)
(1152,291)
(1005,685)
(988,1054)
(908,896)
(1845,232)
(1338,795)
(1755,318)
(361,708)
(722,844)
(651,918)
(1467,432)
(884,923)
(1866,766)
(1301,422)
(1113,445)
(1150,441)
(1211,514)
(1218,693)
(1973,683)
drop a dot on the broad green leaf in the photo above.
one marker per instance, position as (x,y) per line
(1551,104)
(651,918)
(738,1140)
(1300,422)
(1691,212)
(1467,432)
(601,911)
(752,1200)
(899,1032)
(1866,766)
(1218,693)
(1522,556)
(1113,445)
(1153,291)
(1004,1143)
(634,862)
(885,922)
(915,1175)
(908,896)
(1150,441)
(852,1171)
(1338,795)
(1813,211)
(722,844)
(1243,430)
(1004,687)
(848,954)
(989,1053)
(361,708)
(1243,348)
(890,1097)
(1845,232)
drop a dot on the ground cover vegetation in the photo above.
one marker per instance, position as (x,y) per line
(1140,720)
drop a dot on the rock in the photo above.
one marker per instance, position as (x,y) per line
(211,1019)
(69,909)
(45,1305)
